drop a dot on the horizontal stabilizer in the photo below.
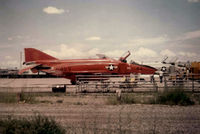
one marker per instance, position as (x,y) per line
(26,69)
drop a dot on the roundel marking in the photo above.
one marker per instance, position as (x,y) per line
(111,67)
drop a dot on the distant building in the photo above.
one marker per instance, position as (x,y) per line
(8,71)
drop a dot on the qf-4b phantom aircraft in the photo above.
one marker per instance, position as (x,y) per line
(70,68)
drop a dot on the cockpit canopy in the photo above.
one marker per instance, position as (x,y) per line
(101,56)
(133,62)
(122,58)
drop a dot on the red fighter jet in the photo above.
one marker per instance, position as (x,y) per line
(71,68)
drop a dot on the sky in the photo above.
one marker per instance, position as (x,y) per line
(69,29)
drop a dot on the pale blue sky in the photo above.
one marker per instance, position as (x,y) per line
(150,29)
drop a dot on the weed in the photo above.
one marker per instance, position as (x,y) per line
(8,98)
(80,103)
(58,94)
(125,99)
(27,98)
(59,101)
(112,100)
(45,101)
(196,98)
(174,97)
(34,125)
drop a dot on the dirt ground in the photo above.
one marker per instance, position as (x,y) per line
(90,114)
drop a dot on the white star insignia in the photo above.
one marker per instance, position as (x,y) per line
(111,67)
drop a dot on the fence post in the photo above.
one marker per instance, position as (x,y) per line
(118,92)
(165,83)
(192,82)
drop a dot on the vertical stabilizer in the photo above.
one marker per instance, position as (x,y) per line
(32,54)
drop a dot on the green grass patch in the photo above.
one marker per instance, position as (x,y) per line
(8,98)
(34,125)
(17,97)
(197,97)
(27,98)
(124,99)
(174,97)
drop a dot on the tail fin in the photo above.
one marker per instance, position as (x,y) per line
(32,54)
